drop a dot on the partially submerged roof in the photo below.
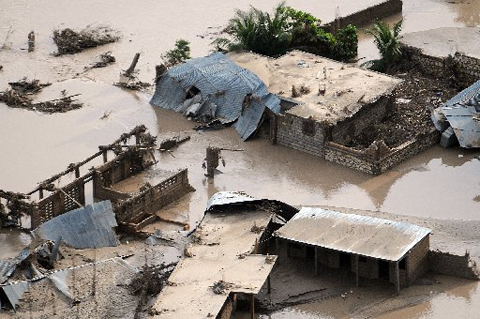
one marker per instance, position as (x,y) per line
(347,87)
(86,227)
(223,251)
(442,42)
(221,87)
(463,114)
(362,235)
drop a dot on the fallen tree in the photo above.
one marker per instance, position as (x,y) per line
(70,42)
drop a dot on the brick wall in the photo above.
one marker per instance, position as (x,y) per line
(417,263)
(453,265)
(290,133)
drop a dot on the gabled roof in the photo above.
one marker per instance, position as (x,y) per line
(223,86)
(362,235)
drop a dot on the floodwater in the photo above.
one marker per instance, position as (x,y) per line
(438,183)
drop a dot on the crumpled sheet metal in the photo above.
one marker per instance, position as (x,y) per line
(223,86)
(87,227)
(463,114)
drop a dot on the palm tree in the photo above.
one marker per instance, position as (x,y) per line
(387,43)
(258,31)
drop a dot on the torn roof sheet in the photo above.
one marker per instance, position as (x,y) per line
(362,235)
(87,227)
(223,87)
(463,114)
(229,197)
(7,267)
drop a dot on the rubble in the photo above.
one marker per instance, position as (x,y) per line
(70,42)
(170,143)
(22,93)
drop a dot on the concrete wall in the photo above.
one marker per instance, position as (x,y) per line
(363,161)
(453,265)
(290,133)
(369,15)
(369,114)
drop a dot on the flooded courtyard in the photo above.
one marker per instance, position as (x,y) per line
(437,183)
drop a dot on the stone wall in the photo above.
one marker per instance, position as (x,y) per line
(453,265)
(290,133)
(363,161)
(369,15)
(465,68)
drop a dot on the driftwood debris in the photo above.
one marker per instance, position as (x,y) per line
(105,59)
(170,143)
(70,42)
(28,87)
(31,41)
(128,79)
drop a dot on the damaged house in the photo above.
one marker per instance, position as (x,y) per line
(213,90)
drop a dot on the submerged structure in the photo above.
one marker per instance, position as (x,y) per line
(215,90)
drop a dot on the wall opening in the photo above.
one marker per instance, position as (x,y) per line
(308,127)
(383,270)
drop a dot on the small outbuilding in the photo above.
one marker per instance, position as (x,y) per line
(370,247)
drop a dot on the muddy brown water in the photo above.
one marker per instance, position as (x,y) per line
(438,182)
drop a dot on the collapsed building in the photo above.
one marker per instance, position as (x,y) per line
(215,91)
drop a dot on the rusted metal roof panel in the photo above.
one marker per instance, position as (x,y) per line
(356,234)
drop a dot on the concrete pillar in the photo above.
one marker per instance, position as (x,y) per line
(252,307)
(105,158)
(397,275)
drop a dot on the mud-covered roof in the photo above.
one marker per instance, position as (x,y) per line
(442,42)
(361,235)
(336,90)
(224,250)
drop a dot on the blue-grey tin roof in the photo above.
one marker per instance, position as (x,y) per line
(463,114)
(362,235)
(87,227)
(223,87)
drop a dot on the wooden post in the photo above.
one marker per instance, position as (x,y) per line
(357,276)
(40,193)
(133,65)
(316,261)
(105,158)
(31,41)
(252,306)
(77,172)
(397,275)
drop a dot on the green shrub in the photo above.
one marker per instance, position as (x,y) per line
(387,42)
(179,54)
(287,29)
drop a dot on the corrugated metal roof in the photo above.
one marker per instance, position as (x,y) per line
(15,291)
(222,84)
(463,114)
(362,235)
(86,227)
(7,267)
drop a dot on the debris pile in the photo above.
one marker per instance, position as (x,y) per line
(21,96)
(170,143)
(105,59)
(220,287)
(70,42)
